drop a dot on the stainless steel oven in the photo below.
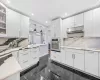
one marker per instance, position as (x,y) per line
(55,44)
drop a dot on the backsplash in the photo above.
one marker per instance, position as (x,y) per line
(6,43)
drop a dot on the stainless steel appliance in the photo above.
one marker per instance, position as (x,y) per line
(55,44)
(75,31)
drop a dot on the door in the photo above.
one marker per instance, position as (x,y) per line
(88,24)
(69,58)
(91,62)
(79,60)
(79,20)
(96,19)
(13,23)
(24,29)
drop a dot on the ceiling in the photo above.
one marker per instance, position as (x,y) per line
(45,10)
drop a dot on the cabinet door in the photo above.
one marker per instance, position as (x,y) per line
(14,77)
(69,58)
(79,20)
(57,28)
(96,19)
(79,60)
(52,55)
(52,30)
(24,29)
(13,23)
(91,62)
(99,63)
(88,24)
(63,56)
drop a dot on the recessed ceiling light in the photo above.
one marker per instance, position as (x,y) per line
(66,14)
(46,22)
(32,14)
(8,1)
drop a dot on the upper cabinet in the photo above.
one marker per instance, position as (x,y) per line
(2,19)
(24,28)
(12,23)
(73,21)
(17,24)
(56,28)
(96,19)
(88,24)
(78,20)
(91,23)
(67,23)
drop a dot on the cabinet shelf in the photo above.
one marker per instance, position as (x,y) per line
(2,22)
(2,13)
(2,28)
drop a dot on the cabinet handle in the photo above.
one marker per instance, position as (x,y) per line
(34,57)
(25,61)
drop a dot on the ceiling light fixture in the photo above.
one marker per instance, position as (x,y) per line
(32,14)
(66,14)
(8,1)
(46,21)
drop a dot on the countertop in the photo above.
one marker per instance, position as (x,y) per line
(82,48)
(9,67)
(16,49)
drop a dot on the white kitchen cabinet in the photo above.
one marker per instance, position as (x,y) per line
(96,19)
(24,28)
(88,24)
(56,28)
(91,23)
(78,20)
(99,64)
(63,55)
(79,60)
(12,23)
(25,58)
(75,58)
(91,62)
(69,57)
(14,77)
(56,56)
(66,23)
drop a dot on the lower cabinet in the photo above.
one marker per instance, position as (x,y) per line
(69,58)
(56,56)
(91,62)
(79,60)
(24,58)
(75,58)
(63,55)
(14,77)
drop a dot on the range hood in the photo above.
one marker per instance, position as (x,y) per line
(75,31)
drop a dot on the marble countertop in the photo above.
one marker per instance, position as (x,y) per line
(9,67)
(82,48)
(16,49)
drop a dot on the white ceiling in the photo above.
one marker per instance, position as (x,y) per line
(45,10)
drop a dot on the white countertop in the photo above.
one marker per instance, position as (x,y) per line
(9,67)
(16,49)
(82,48)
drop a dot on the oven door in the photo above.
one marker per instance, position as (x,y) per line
(55,45)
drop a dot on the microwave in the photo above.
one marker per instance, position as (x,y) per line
(55,44)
